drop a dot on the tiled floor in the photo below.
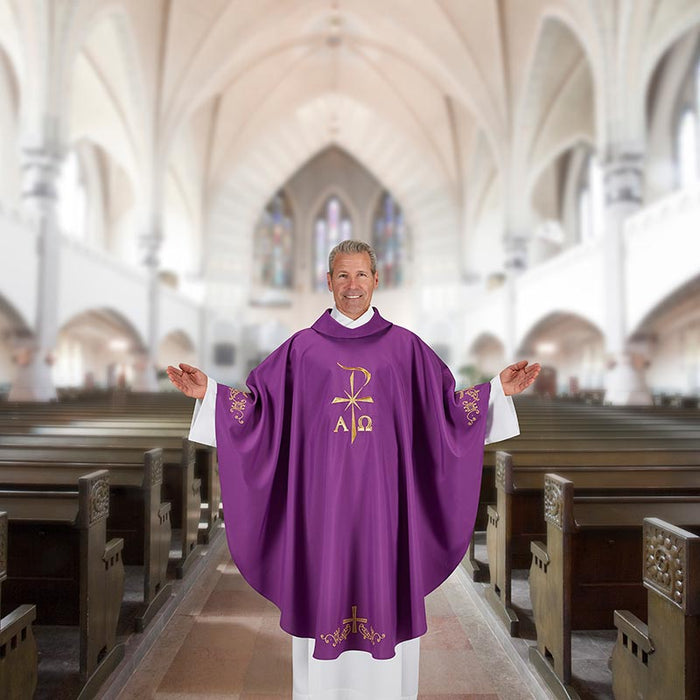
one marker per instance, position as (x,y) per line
(224,641)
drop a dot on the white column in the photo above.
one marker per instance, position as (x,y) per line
(146,378)
(33,380)
(204,356)
(624,380)
(516,262)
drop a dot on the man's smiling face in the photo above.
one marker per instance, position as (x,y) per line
(352,283)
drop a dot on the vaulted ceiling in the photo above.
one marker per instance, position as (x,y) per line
(455,105)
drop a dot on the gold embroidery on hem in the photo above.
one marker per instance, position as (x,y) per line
(336,637)
(470,404)
(352,627)
(238,404)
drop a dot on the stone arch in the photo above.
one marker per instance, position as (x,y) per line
(667,341)
(107,95)
(16,338)
(175,347)
(554,200)
(97,347)
(675,29)
(356,216)
(560,100)
(662,112)
(10,99)
(486,357)
(570,349)
(409,178)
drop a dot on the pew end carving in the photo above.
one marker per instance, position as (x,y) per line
(18,650)
(157,536)
(498,545)
(101,579)
(550,588)
(659,659)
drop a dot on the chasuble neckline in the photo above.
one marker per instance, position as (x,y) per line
(327,325)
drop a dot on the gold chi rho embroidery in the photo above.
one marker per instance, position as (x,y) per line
(352,400)
(470,403)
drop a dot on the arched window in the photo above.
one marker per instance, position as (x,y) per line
(332,224)
(273,245)
(72,198)
(688,131)
(688,166)
(389,241)
(590,201)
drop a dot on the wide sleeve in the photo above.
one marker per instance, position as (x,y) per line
(502,419)
(203,426)
(448,429)
(252,437)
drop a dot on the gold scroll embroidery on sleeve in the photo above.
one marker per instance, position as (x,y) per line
(237,399)
(470,403)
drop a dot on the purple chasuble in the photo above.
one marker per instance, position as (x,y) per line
(350,475)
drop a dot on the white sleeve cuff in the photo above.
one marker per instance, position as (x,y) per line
(203,426)
(502,419)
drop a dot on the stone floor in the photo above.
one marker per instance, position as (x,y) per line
(224,641)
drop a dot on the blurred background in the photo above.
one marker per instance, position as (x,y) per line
(175,172)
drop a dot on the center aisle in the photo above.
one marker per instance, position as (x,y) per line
(224,641)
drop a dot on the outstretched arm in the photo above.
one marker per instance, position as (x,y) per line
(518,377)
(189,380)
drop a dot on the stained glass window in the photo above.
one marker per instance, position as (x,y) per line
(332,224)
(389,241)
(273,246)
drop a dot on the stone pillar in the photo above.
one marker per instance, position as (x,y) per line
(624,380)
(204,355)
(516,263)
(33,380)
(146,378)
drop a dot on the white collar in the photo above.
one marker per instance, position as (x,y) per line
(348,322)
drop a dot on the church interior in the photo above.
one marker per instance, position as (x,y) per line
(175,173)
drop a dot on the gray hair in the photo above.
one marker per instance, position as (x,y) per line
(352,247)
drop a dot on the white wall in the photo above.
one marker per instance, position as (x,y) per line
(663,251)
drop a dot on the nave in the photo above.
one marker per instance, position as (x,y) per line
(609,486)
(224,641)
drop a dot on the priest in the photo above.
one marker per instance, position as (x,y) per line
(350,474)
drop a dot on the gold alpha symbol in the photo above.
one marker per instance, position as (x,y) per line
(353,399)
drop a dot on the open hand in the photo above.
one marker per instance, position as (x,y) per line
(518,377)
(189,380)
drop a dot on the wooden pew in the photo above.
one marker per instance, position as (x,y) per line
(166,431)
(544,424)
(206,467)
(137,514)
(660,659)
(590,567)
(18,652)
(59,559)
(126,461)
(546,436)
(517,517)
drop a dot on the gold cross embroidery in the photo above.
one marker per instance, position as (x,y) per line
(354,619)
(351,626)
(354,399)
